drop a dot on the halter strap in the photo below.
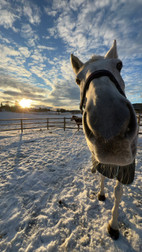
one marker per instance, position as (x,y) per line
(95,75)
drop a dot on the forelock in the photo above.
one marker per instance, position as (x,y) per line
(93,59)
(96,57)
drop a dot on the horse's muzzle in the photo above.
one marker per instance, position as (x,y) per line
(114,147)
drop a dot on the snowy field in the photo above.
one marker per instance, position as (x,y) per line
(48,196)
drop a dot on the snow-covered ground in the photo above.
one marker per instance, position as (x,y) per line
(48,196)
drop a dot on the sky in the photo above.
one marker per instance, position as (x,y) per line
(38,36)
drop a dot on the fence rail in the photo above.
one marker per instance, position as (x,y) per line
(37,123)
(48,123)
(139,118)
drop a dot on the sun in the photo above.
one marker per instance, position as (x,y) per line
(25,103)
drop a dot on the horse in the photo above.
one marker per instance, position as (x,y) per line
(78,120)
(109,123)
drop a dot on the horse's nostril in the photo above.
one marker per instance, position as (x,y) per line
(128,130)
(132,126)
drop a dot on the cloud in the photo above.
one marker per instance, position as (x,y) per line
(75,4)
(8,15)
(50,12)
(11,87)
(65,94)
(29,34)
(85,25)
(8,51)
(49,48)
(12,60)
(11,11)
(89,27)
(24,51)
(37,56)
(32,12)
(7,19)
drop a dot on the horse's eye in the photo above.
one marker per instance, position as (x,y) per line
(119,66)
(78,81)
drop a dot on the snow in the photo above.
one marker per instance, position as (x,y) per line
(48,196)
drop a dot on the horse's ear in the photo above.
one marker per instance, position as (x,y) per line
(112,53)
(76,63)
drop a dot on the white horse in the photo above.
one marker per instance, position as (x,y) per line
(109,123)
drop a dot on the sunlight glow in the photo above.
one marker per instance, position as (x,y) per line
(25,103)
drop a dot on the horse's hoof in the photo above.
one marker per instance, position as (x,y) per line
(101,197)
(114,233)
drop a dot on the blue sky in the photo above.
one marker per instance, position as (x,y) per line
(38,36)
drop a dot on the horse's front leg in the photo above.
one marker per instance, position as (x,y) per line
(101,194)
(113,223)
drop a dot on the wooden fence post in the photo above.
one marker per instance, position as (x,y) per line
(139,119)
(47,124)
(21,125)
(64,123)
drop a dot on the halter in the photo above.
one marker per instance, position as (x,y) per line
(95,75)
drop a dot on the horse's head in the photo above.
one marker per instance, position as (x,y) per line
(109,119)
(73,118)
